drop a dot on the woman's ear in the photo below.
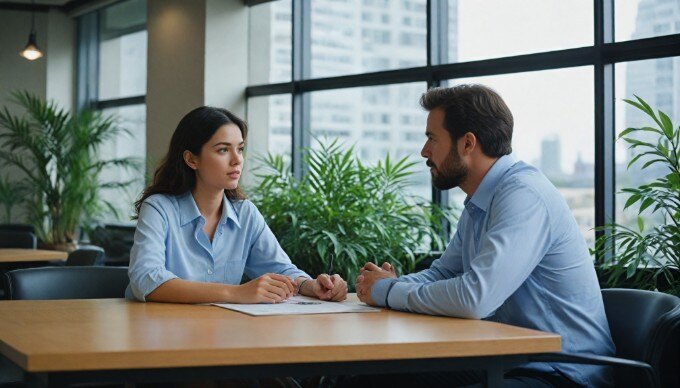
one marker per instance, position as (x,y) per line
(190,159)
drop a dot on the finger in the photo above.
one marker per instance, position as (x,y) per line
(325,281)
(336,279)
(285,279)
(386,266)
(340,292)
(269,297)
(360,278)
(276,287)
(371,267)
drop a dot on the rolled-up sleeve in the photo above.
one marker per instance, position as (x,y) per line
(266,254)
(147,258)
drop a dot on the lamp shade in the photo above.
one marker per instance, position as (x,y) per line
(31,51)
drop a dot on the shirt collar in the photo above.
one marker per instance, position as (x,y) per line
(484,193)
(188,210)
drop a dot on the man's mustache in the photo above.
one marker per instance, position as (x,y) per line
(429,164)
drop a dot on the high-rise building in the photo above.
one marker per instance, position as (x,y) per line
(551,157)
(350,37)
(653,80)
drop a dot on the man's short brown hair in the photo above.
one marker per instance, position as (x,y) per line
(477,109)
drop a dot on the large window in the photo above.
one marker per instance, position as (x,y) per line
(553,135)
(112,78)
(656,81)
(357,68)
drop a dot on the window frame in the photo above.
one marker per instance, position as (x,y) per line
(602,56)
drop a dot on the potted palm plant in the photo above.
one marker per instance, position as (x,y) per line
(346,212)
(55,155)
(646,255)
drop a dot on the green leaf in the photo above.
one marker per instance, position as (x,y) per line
(641,224)
(631,201)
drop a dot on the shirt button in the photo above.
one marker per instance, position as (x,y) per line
(210,272)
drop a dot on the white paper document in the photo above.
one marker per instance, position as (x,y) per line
(299,305)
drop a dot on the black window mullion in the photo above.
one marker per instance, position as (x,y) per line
(87,60)
(604,117)
(437,54)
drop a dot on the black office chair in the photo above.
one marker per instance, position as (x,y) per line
(18,228)
(58,283)
(66,283)
(17,239)
(645,327)
(87,255)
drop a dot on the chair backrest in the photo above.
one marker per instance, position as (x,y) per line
(66,283)
(86,256)
(645,326)
(17,239)
(18,227)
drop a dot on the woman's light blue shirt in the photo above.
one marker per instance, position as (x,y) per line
(170,243)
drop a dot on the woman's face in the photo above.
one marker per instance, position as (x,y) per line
(221,160)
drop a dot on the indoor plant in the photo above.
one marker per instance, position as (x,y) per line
(346,210)
(639,257)
(55,155)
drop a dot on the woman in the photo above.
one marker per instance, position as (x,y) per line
(197,234)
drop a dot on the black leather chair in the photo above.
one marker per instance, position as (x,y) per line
(18,228)
(66,283)
(645,327)
(17,239)
(87,255)
(58,283)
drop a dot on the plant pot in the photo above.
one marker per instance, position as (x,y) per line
(64,247)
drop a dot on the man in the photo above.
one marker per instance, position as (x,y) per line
(517,256)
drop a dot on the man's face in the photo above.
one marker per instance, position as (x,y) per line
(446,166)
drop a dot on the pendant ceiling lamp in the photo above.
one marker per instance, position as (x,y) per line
(31,51)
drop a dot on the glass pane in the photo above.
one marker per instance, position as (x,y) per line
(270,46)
(656,81)
(376,121)
(498,28)
(122,50)
(639,19)
(358,36)
(554,131)
(269,119)
(132,118)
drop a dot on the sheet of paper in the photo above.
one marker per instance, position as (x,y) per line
(299,305)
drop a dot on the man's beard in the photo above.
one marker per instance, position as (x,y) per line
(450,174)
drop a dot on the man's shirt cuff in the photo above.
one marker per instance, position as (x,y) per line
(398,294)
(379,291)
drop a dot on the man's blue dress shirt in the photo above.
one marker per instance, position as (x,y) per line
(519,258)
(170,243)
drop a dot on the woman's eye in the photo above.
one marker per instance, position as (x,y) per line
(222,150)
(240,150)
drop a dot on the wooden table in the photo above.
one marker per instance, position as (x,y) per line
(15,255)
(114,340)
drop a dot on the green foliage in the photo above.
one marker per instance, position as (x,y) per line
(56,155)
(343,208)
(642,257)
(11,195)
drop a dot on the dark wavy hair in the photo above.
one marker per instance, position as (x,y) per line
(474,108)
(173,176)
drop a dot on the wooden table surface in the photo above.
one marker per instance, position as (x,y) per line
(69,335)
(16,255)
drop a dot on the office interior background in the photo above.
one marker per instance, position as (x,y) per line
(301,71)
